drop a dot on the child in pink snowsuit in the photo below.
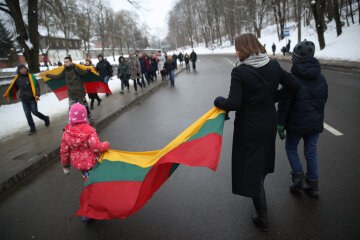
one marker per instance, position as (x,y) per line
(80,143)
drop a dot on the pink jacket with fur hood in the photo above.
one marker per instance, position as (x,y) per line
(82,146)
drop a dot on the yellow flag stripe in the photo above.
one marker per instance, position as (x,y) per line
(147,159)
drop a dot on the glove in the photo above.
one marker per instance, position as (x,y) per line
(281,131)
(218,99)
(66,170)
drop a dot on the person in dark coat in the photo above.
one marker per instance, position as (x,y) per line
(152,69)
(92,96)
(104,68)
(193,58)
(302,116)
(170,68)
(144,70)
(181,58)
(253,92)
(174,57)
(273,48)
(288,46)
(28,98)
(123,74)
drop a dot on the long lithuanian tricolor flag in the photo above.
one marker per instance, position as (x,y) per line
(10,93)
(122,182)
(93,83)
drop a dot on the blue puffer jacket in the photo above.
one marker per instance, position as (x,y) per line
(303,114)
(143,65)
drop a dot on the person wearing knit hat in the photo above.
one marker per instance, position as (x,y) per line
(302,116)
(80,144)
(29,94)
(303,49)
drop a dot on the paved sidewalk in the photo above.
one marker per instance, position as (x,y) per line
(337,65)
(22,155)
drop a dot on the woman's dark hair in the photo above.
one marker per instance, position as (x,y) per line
(69,58)
(121,57)
(88,60)
(247,45)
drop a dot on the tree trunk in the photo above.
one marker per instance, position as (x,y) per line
(337,17)
(28,41)
(318,12)
(276,20)
(351,11)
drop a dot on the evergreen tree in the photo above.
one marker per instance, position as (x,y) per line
(6,43)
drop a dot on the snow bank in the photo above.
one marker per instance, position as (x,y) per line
(13,119)
(344,47)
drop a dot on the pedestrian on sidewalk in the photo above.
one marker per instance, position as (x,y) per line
(80,144)
(123,74)
(174,57)
(170,68)
(253,92)
(302,116)
(273,47)
(104,68)
(92,96)
(29,94)
(193,58)
(187,62)
(134,71)
(161,62)
(152,69)
(144,70)
(181,58)
(288,46)
(75,85)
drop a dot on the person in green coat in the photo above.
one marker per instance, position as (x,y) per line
(76,91)
(123,74)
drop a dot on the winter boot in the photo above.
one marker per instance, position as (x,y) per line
(92,106)
(99,101)
(32,131)
(47,121)
(86,219)
(311,188)
(260,217)
(298,182)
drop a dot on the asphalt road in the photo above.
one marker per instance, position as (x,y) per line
(196,203)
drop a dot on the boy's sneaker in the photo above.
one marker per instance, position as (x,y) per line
(47,121)
(32,131)
(86,219)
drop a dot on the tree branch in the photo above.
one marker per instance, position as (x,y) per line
(4,9)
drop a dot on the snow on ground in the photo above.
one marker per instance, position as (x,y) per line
(13,120)
(344,47)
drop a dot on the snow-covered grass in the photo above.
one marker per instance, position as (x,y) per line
(344,47)
(13,119)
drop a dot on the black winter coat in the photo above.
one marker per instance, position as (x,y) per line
(303,114)
(23,84)
(193,57)
(169,65)
(104,68)
(253,153)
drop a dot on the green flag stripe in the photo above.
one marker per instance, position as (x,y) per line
(215,125)
(116,171)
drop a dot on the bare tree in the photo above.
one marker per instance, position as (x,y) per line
(27,34)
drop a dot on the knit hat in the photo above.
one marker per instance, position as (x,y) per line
(20,66)
(303,49)
(77,114)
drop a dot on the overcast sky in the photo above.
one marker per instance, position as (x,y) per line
(153,13)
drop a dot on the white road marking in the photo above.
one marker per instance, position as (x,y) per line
(230,61)
(326,126)
(332,130)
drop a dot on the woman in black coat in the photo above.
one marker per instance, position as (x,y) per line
(253,92)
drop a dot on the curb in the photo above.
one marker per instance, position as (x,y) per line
(330,65)
(55,154)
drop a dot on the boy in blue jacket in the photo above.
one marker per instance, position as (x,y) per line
(302,116)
